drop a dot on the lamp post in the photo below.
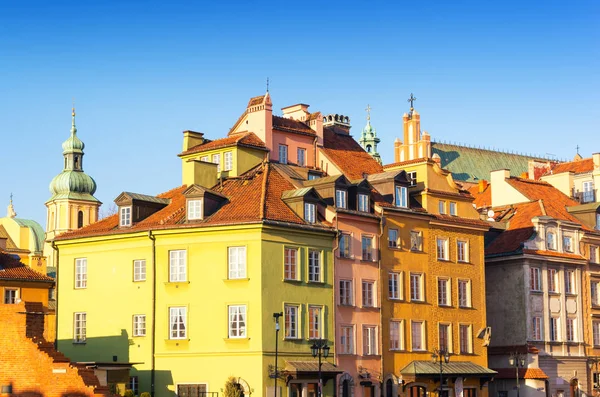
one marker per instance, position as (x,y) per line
(593,364)
(516,360)
(276,317)
(441,356)
(320,348)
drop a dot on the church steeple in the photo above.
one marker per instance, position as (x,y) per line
(10,211)
(368,139)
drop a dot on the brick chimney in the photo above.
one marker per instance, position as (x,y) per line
(191,139)
(483,184)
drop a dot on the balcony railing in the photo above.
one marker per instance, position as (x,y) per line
(585,197)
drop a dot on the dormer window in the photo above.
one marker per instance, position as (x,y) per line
(567,244)
(310,210)
(194,209)
(412,177)
(341,198)
(363,202)
(401,196)
(312,176)
(125,216)
(550,241)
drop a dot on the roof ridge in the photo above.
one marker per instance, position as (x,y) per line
(542,207)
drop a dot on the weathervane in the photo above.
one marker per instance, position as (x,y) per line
(411,100)
(368,109)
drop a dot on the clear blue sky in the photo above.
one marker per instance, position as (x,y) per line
(516,75)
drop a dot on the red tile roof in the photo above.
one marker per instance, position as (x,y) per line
(483,199)
(247,139)
(290,125)
(257,100)
(352,160)
(524,373)
(11,268)
(407,162)
(553,254)
(577,167)
(459,220)
(252,197)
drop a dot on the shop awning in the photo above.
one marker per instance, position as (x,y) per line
(303,367)
(429,370)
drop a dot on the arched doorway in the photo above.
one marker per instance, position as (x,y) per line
(346,386)
(389,388)
(574,388)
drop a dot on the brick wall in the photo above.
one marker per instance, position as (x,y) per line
(31,365)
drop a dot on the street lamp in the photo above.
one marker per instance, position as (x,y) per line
(516,360)
(593,364)
(320,348)
(442,356)
(276,317)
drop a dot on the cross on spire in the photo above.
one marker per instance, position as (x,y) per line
(11,196)
(411,100)
(577,149)
(267,84)
(368,109)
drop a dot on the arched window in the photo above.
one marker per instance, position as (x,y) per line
(79,219)
(76,162)
(389,388)
(346,388)
(369,148)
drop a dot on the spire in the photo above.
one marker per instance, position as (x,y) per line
(10,213)
(73,128)
(369,139)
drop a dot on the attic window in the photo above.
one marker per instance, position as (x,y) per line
(312,176)
(341,198)
(194,209)
(125,216)
(550,241)
(401,196)
(412,177)
(363,202)
(310,212)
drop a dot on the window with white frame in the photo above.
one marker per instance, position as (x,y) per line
(394,285)
(536,328)
(81,273)
(341,198)
(314,322)
(550,241)
(462,251)
(445,337)
(216,159)
(204,158)
(401,196)
(535,282)
(443,291)
(11,295)
(594,253)
(237,262)
(367,248)
(570,329)
(194,209)
(554,329)
(596,333)
(464,293)
(416,241)
(314,266)
(416,287)
(139,270)
(139,325)
(346,293)
(553,281)
(569,282)
(177,266)
(417,335)
(396,335)
(442,207)
(368,293)
(442,248)
(412,178)
(79,327)
(237,321)
(178,322)
(363,202)
(291,321)
(290,263)
(567,243)
(347,339)
(453,208)
(595,291)
(393,238)
(466,342)
(369,340)
(228,159)
(310,212)
(125,216)
(283,154)
(301,157)
(345,246)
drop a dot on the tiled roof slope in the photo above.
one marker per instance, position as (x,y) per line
(248,139)
(253,197)
(577,167)
(290,125)
(524,373)
(471,164)
(12,269)
(348,155)
(482,199)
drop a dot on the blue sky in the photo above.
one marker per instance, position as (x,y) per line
(513,75)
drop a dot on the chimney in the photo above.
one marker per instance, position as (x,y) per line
(296,112)
(524,175)
(596,159)
(191,139)
(504,193)
(196,172)
(483,184)
(338,122)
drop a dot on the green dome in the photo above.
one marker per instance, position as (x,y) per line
(73,145)
(70,181)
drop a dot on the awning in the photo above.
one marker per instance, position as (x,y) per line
(302,367)
(108,365)
(427,369)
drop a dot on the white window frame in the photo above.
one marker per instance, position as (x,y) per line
(369,340)
(177,266)
(315,270)
(462,251)
(448,330)
(291,321)
(570,330)
(465,346)
(442,207)
(464,293)
(315,322)
(228,161)
(125,216)
(412,177)
(216,159)
(194,209)
(553,281)
(444,292)
(594,254)
(567,243)
(441,248)
(368,293)
(595,292)
(205,159)
(453,208)
(417,342)
(368,251)
(11,295)
(301,153)
(536,328)
(139,325)
(570,282)
(395,285)
(344,247)
(596,333)
(283,154)
(345,290)
(397,335)
(177,322)
(347,339)
(535,282)
(310,212)
(341,198)
(363,202)
(139,270)
(416,287)
(554,329)
(290,263)
(81,273)
(551,241)
(79,327)
(401,197)
(236,262)
(393,238)
(237,321)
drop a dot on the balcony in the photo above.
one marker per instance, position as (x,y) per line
(584,197)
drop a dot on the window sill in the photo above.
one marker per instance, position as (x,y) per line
(345,305)
(176,283)
(395,299)
(395,248)
(370,308)
(443,260)
(466,354)
(554,293)
(292,339)
(466,307)
(291,280)
(237,340)
(316,282)
(571,294)
(139,281)
(463,262)
(372,355)
(236,279)
(398,350)
(368,260)
(447,306)
(79,342)
(417,301)
(536,292)
(139,336)
(350,257)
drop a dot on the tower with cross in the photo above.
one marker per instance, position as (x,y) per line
(368,139)
(415,144)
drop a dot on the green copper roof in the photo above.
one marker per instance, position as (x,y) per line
(36,229)
(73,144)
(73,183)
(471,164)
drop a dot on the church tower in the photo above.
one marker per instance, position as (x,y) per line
(415,145)
(368,139)
(72,204)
